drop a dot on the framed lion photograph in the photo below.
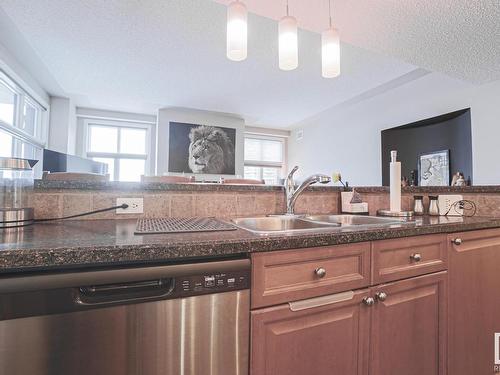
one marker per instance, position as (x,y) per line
(201,149)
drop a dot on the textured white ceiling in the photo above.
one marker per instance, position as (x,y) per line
(460,38)
(139,56)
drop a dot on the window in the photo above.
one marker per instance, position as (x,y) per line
(7,103)
(124,147)
(264,158)
(22,122)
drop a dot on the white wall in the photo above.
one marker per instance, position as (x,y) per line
(347,138)
(166,115)
(62,125)
(10,66)
(20,62)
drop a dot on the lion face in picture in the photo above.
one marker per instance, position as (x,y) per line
(211,151)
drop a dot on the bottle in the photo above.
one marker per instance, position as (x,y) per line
(433,205)
(413,178)
(418,206)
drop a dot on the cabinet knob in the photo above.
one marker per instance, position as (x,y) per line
(320,272)
(381,296)
(368,301)
(457,241)
(417,257)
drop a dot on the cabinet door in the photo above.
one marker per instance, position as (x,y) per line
(474,303)
(323,340)
(408,331)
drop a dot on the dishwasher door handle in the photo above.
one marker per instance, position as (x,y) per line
(135,291)
(114,287)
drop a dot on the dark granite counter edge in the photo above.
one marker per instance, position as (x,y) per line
(12,261)
(486,189)
(41,185)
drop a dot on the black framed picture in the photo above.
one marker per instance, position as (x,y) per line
(434,168)
(204,149)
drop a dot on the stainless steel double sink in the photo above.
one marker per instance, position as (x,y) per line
(282,224)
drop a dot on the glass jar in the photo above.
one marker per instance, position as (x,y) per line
(433,205)
(16,183)
(418,205)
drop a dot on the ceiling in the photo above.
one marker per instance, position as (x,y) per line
(460,38)
(139,56)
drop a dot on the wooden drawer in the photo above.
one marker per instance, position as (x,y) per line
(399,258)
(290,275)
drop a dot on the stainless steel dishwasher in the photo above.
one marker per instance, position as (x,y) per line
(189,319)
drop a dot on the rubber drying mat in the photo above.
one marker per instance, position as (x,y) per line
(181,225)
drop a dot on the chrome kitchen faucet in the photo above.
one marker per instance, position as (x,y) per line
(293,193)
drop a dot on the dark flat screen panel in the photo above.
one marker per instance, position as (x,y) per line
(54,161)
(451,131)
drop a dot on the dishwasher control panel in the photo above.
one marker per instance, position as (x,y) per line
(214,282)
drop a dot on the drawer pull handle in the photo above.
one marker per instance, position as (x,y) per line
(368,301)
(381,296)
(320,272)
(416,257)
(321,301)
(457,241)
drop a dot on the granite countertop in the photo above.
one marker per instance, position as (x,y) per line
(48,185)
(93,243)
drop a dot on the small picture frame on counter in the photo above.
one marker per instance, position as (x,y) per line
(434,168)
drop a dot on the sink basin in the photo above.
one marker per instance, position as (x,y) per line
(311,223)
(282,224)
(352,220)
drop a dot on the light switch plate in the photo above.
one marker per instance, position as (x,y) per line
(445,202)
(135,205)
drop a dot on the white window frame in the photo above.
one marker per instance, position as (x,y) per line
(22,97)
(149,165)
(37,140)
(263,164)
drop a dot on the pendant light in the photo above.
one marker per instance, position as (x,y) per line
(288,42)
(330,50)
(236,47)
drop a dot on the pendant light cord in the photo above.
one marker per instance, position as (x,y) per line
(330,11)
(287,8)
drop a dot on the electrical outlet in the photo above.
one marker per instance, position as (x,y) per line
(445,202)
(135,205)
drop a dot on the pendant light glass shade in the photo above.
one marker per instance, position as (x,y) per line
(288,43)
(330,53)
(236,31)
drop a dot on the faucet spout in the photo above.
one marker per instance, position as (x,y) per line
(289,184)
(292,194)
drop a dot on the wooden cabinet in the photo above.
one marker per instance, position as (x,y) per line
(323,340)
(408,329)
(407,257)
(291,275)
(392,320)
(401,332)
(474,301)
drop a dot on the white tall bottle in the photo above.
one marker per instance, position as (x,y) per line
(395,185)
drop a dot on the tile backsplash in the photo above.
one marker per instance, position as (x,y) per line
(49,203)
(59,203)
